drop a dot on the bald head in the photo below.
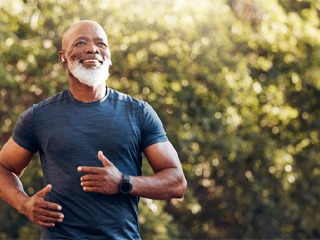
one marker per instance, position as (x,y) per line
(77,27)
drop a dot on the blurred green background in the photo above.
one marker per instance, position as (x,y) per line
(235,82)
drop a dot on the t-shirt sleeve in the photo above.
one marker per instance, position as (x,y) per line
(24,132)
(152,128)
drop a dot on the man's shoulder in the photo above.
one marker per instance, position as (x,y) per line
(51,100)
(125,98)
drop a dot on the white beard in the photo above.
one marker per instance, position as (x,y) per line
(91,77)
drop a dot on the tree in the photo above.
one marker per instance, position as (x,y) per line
(235,83)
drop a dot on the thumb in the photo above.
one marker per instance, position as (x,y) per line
(44,191)
(104,160)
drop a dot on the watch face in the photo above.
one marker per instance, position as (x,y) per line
(125,187)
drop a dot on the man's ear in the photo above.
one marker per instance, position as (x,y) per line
(62,57)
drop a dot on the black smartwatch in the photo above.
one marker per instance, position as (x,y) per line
(125,186)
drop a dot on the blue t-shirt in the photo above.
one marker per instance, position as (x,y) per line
(68,133)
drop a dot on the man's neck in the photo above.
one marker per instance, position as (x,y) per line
(84,93)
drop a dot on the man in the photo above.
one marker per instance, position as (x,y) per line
(90,139)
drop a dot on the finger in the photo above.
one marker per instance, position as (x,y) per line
(45,224)
(94,170)
(96,176)
(104,160)
(90,177)
(49,219)
(44,191)
(52,206)
(49,207)
(41,203)
(92,189)
(90,183)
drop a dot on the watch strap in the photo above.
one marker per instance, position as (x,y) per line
(125,177)
(125,186)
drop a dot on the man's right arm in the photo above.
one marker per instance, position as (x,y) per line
(13,161)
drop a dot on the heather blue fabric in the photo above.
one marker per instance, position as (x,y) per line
(68,134)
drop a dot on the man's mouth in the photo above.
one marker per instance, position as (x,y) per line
(91,60)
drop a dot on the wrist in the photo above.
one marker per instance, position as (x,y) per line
(21,205)
(125,186)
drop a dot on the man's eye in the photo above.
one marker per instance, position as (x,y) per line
(80,43)
(102,44)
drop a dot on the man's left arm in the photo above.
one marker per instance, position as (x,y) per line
(168,180)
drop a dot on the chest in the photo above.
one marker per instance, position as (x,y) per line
(82,130)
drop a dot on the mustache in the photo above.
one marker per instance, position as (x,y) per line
(77,63)
(99,58)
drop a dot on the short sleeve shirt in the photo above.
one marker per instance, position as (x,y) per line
(68,133)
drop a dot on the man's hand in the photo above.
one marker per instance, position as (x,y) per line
(103,180)
(41,212)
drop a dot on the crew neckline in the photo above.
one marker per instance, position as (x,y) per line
(73,99)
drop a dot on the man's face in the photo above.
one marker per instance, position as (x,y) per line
(86,51)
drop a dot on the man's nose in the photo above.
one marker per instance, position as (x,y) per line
(91,48)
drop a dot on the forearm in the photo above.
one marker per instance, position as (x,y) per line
(12,190)
(166,184)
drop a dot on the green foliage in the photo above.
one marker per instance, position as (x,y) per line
(236,83)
